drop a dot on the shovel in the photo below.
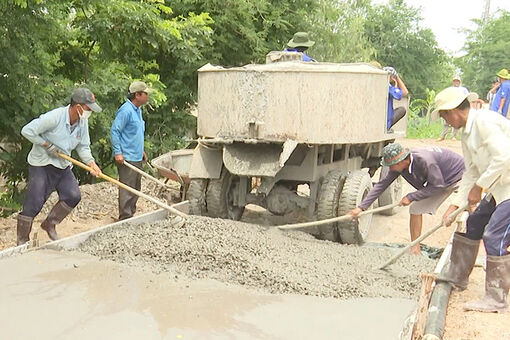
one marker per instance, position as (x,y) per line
(125,187)
(146,175)
(421,238)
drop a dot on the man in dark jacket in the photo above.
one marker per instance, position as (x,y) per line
(433,172)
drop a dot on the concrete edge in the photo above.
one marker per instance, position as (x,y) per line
(74,241)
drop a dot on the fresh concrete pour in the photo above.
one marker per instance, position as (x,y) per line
(269,259)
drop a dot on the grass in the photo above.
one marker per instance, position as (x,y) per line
(421,127)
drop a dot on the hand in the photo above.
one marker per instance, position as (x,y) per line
(144,157)
(355,213)
(95,169)
(119,159)
(500,111)
(404,201)
(475,195)
(52,150)
(447,219)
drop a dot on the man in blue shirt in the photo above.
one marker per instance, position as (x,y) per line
(501,100)
(127,135)
(61,130)
(397,89)
(300,42)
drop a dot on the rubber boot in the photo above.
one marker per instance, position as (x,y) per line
(56,215)
(497,284)
(462,260)
(24,228)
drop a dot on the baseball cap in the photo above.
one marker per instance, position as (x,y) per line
(83,95)
(139,86)
(449,99)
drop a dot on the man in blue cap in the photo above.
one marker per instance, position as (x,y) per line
(61,130)
(433,172)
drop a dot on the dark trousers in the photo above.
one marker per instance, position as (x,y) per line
(491,223)
(127,200)
(42,181)
(399,113)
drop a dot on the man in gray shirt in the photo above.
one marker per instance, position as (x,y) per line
(433,172)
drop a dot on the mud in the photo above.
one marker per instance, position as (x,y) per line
(268,259)
(67,295)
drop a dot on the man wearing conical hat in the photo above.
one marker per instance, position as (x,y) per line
(485,145)
(502,98)
(300,42)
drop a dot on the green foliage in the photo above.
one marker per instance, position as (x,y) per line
(487,49)
(421,126)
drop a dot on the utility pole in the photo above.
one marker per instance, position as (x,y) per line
(485,16)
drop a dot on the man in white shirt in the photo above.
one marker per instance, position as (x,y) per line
(486,149)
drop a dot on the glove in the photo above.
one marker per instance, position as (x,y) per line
(52,150)
(391,71)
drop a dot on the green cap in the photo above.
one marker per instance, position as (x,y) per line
(300,39)
(394,153)
(503,73)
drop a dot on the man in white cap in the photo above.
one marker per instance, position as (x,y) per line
(127,135)
(485,145)
(61,130)
(433,172)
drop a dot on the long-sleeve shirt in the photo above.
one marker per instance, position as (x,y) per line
(127,132)
(486,149)
(431,171)
(503,93)
(55,127)
(394,92)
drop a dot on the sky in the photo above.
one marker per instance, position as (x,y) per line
(446,17)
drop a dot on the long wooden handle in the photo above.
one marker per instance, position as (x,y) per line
(124,186)
(143,173)
(421,238)
(335,219)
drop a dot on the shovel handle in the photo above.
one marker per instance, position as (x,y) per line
(143,173)
(421,238)
(124,186)
(335,219)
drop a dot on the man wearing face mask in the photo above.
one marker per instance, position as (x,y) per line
(127,135)
(60,130)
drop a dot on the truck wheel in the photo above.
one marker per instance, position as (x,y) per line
(391,194)
(327,206)
(356,187)
(219,197)
(196,197)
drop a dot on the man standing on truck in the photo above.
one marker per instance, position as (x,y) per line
(485,144)
(300,42)
(397,90)
(60,130)
(434,172)
(127,135)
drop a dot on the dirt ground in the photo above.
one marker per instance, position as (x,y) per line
(99,207)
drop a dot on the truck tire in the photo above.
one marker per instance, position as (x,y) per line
(196,196)
(219,197)
(391,194)
(357,185)
(327,206)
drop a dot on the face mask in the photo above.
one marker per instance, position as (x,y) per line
(85,114)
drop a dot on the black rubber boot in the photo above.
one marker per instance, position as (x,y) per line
(24,228)
(56,215)
(462,260)
(497,284)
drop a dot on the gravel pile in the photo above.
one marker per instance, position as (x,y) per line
(251,255)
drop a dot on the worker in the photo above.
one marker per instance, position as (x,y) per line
(300,42)
(456,82)
(60,130)
(434,172)
(485,144)
(397,89)
(502,97)
(127,136)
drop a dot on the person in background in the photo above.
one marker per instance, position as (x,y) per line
(127,135)
(492,92)
(300,42)
(433,172)
(485,144)
(456,82)
(61,130)
(501,99)
(397,90)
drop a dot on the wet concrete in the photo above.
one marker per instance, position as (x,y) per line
(66,295)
